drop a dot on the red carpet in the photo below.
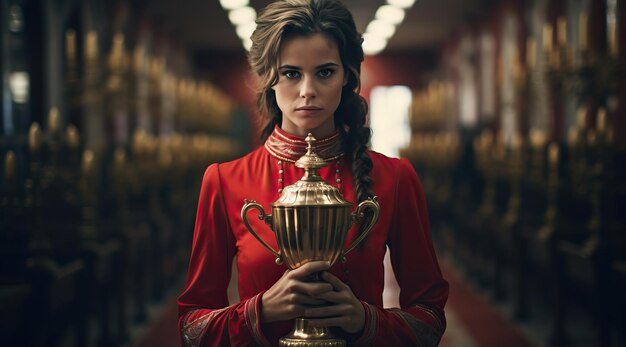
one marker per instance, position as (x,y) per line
(476,317)
(472,321)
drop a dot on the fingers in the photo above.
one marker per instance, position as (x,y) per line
(337,284)
(310,268)
(328,311)
(347,316)
(304,300)
(313,289)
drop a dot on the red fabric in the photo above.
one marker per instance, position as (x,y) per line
(220,234)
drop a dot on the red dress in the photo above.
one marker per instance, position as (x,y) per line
(205,317)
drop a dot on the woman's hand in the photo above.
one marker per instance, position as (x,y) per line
(344,310)
(293,293)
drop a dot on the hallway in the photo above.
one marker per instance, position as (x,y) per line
(512,114)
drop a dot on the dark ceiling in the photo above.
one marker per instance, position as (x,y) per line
(202,25)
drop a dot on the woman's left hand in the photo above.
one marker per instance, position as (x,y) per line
(344,310)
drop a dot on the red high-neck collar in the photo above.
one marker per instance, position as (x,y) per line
(290,147)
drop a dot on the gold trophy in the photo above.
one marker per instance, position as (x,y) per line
(311,220)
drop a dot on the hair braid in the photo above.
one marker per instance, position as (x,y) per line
(275,115)
(351,118)
(351,115)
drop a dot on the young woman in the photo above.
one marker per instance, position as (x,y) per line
(308,55)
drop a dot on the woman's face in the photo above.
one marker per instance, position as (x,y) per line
(309,87)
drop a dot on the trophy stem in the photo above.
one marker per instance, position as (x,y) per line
(304,335)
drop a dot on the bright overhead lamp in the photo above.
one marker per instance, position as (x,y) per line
(373,44)
(247,43)
(380,28)
(242,15)
(401,3)
(390,14)
(245,30)
(233,4)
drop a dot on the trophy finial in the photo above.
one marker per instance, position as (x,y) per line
(309,143)
(310,162)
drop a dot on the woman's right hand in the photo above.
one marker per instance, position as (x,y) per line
(293,293)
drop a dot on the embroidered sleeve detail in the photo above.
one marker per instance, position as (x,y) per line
(436,317)
(370,326)
(424,333)
(252,321)
(193,331)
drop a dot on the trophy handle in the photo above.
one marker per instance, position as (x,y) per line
(375,207)
(267,218)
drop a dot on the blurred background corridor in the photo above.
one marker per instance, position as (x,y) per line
(513,113)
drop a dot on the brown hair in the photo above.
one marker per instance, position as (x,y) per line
(288,18)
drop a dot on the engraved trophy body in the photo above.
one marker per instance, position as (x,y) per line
(311,220)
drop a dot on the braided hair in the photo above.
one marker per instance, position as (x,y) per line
(288,18)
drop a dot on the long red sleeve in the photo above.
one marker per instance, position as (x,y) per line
(204,315)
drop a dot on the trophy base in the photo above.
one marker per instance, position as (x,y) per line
(305,336)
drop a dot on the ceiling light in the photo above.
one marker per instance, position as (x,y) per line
(373,44)
(245,30)
(380,28)
(233,4)
(390,14)
(401,3)
(242,15)
(18,84)
(247,44)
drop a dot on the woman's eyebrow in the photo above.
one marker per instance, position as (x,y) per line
(290,67)
(327,65)
(293,67)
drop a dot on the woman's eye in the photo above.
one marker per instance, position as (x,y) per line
(325,73)
(291,74)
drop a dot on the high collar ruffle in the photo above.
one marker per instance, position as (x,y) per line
(290,147)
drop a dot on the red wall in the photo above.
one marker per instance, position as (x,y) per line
(393,69)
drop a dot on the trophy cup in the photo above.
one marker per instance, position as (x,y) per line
(311,220)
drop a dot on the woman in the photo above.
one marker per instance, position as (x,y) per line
(308,55)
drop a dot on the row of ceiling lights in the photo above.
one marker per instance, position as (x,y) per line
(377,32)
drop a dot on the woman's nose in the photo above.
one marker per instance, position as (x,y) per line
(308,88)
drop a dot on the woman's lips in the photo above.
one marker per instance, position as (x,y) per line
(308,110)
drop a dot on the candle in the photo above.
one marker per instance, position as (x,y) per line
(561,31)
(54,120)
(9,166)
(583,23)
(547,37)
(612,37)
(91,45)
(537,138)
(553,153)
(70,45)
(139,56)
(601,120)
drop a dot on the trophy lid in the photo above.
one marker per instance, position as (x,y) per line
(311,189)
